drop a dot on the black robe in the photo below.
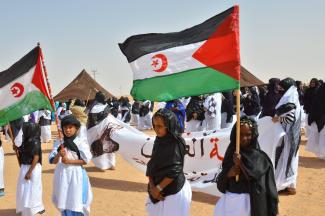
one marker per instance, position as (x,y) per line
(167,160)
(260,182)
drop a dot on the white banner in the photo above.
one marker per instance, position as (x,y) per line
(205,149)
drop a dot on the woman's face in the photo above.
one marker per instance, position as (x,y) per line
(245,135)
(159,126)
(69,130)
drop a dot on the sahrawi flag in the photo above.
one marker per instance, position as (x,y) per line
(23,88)
(199,60)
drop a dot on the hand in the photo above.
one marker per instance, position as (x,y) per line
(155,193)
(237,159)
(65,160)
(234,171)
(195,116)
(28,175)
(276,119)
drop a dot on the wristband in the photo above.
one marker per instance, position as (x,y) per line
(159,188)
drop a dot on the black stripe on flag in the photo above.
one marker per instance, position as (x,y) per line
(19,68)
(140,45)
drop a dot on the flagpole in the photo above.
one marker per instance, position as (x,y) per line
(238,124)
(50,91)
(13,142)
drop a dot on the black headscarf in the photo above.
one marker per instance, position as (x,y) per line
(310,95)
(227,105)
(318,109)
(195,106)
(260,183)
(271,98)
(287,83)
(31,144)
(68,141)
(167,159)
(252,105)
(79,102)
(300,92)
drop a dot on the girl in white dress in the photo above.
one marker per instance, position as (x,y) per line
(72,193)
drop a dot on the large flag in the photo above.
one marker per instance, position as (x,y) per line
(199,60)
(23,88)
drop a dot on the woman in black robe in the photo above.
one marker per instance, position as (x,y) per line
(271,98)
(255,193)
(169,192)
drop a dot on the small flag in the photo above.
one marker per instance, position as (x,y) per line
(23,88)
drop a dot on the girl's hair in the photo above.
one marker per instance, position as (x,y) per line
(70,120)
(170,121)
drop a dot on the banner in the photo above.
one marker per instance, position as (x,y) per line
(205,149)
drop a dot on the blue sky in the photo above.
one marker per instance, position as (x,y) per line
(278,38)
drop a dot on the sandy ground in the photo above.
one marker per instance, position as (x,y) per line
(123,192)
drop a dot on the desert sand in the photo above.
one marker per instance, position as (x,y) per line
(123,192)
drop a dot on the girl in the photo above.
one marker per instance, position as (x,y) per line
(169,191)
(29,188)
(72,193)
(254,194)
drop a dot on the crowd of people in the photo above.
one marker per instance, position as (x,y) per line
(249,181)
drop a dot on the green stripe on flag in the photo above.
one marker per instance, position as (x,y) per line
(33,101)
(188,83)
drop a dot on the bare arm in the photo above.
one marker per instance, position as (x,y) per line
(32,166)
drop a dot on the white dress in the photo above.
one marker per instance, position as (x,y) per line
(71,186)
(174,205)
(45,129)
(233,204)
(213,105)
(316,141)
(29,192)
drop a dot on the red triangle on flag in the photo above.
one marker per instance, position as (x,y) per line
(221,50)
(39,79)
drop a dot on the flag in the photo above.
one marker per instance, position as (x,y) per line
(199,60)
(23,88)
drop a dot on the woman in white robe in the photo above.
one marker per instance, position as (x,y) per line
(212,106)
(72,194)
(288,114)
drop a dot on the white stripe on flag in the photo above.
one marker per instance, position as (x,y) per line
(179,59)
(6,95)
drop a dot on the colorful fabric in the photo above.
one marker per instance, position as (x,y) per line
(199,60)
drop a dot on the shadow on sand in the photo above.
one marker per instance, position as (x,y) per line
(311,162)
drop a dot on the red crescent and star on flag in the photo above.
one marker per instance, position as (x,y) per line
(159,63)
(17,89)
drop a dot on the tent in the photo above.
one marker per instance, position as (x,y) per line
(248,79)
(83,87)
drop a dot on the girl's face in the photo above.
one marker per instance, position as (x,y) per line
(245,135)
(70,130)
(159,126)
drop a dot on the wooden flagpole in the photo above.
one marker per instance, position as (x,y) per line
(238,124)
(50,92)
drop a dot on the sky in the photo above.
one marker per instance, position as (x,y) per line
(277,38)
